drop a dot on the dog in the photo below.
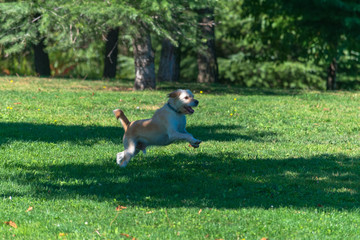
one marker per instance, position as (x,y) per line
(166,126)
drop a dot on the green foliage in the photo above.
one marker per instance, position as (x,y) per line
(16,27)
(263,50)
(259,43)
(285,43)
(271,74)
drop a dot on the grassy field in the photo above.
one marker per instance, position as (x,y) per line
(273,164)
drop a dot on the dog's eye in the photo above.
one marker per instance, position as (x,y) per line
(186,97)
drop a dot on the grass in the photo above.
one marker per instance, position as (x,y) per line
(274,164)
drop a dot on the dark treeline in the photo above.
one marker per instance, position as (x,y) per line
(252,43)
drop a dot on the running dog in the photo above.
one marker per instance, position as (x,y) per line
(166,126)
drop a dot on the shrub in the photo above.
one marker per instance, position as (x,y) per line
(271,74)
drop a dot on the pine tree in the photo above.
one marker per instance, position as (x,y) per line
(207,61)
(144,59)
(169,66)
(326,27)
(74,24)
(19,29)
(111,53)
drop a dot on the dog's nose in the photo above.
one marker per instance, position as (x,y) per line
(196,102)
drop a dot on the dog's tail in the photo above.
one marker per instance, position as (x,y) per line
(119,114)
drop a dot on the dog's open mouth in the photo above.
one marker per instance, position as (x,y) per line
(189,109)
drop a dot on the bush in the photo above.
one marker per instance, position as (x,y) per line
(271,74)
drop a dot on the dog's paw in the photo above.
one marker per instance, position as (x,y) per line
(120,159)
(196,144)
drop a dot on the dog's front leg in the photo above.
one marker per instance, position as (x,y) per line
(174,136)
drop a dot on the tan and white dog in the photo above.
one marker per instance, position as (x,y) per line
(166,126)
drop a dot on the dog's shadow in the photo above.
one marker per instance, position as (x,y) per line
(222,133)
(198,180)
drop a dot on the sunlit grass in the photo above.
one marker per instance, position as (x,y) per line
(274,164)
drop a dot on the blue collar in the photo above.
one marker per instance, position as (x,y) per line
(172,108)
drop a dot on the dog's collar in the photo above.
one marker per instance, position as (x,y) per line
(172,108)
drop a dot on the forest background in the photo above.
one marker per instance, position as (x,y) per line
(312,44)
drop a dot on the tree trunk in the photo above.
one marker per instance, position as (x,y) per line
(41,59)
(169,68)
(206,59)
(331,78)
(144,60)
(111,53)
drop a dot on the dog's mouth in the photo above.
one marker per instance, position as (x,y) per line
(189,109)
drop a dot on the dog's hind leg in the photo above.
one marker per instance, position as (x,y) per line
(123,158)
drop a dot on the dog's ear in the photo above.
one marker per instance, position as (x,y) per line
(174,94)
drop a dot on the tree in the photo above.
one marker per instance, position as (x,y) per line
(19,26)
(111,53)
(331,23)
(206,59)
(169,67)
(326,28)
(144,59)
(73,26)
(41,59)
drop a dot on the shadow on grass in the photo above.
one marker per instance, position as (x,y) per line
(221,132)
(84,135)
(202,180)
(194,179)
(88,135)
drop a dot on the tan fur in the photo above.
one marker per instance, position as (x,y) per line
(174,94)
(166,126)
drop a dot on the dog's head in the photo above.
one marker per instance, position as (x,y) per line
(183,101)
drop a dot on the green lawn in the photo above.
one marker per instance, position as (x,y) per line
(273,164)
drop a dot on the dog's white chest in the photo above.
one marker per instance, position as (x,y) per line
(178,123)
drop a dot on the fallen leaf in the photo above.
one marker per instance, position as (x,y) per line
(62,234)
(264,239)
(11,223)
(127,235)
(119,208)
(200,211)
(17,103)
(29,209)
(149,212)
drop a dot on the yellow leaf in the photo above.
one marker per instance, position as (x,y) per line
(119,208)
(11,223)
(29,209)
(127,235)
